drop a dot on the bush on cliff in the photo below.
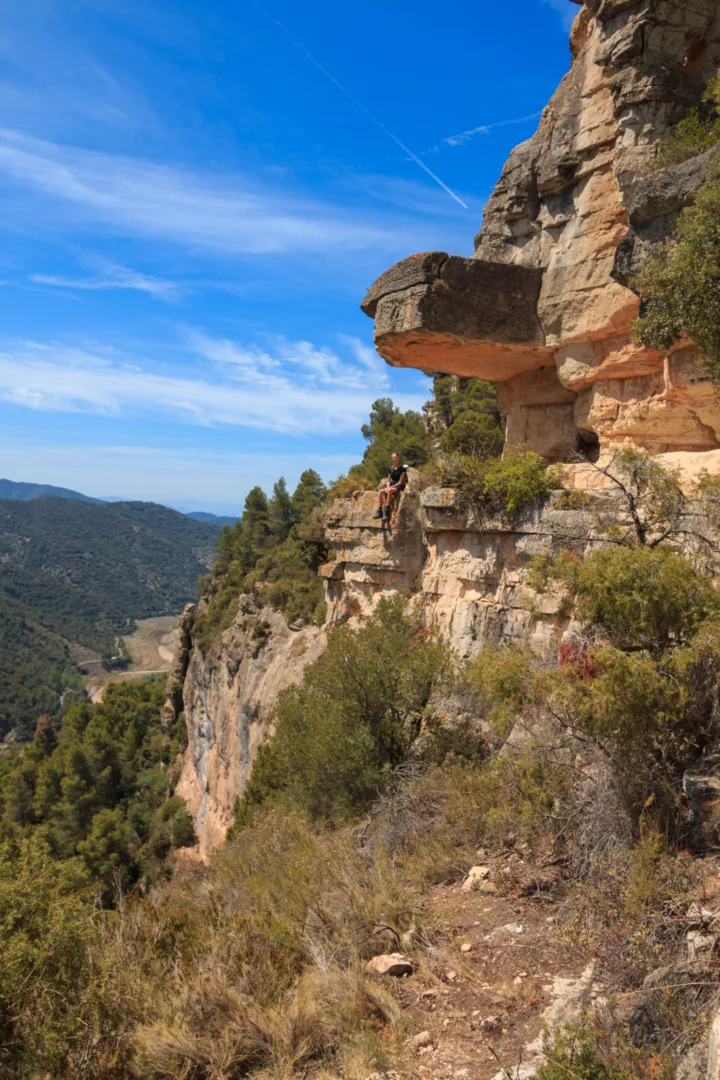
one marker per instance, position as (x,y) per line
(698,132)
(680,285)
(499,486)
(642,684)
(350,723)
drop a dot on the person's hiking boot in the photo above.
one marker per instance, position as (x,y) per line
(386,513)
(378,514)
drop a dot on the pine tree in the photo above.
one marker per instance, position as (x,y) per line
(307,495)
(281,515)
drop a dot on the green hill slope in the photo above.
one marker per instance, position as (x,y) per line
(77,572)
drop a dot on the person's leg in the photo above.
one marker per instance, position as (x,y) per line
(382,502)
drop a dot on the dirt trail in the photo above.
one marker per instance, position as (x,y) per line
(151,647)
(487,1004)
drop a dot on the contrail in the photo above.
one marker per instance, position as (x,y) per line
(358,104)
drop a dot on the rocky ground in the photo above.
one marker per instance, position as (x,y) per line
(508,972)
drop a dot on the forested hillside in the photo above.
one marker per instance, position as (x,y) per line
(80,573)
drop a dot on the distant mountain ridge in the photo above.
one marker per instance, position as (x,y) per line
(210,519)
(26,492)
(11,489)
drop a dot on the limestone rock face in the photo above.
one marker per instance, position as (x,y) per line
(370,558)
(229,696)
(543,306)
(470,576)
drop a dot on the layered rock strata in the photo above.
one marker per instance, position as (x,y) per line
(468,575)
(543,306)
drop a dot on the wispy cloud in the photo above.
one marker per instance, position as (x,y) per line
(484,129)
(234,214)
(292,388)
(566,9)
(115,277)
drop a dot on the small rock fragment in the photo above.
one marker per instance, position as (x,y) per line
(475,878)
(490,1023)
(390,964)
(451,976)
(466,947)
(422,1039)
(699,943)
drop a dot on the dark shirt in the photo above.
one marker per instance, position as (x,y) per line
(395,475)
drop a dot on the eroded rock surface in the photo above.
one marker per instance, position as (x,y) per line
(229,696)
(543,307)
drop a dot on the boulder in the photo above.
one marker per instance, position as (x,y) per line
(390,964)
(476,876)
(670,998)
(421,1040)
(701,786)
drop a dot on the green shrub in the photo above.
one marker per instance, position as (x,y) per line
(647,598)
(499,486)
(505,681)
(351,721)
(680,285)
(600,1049)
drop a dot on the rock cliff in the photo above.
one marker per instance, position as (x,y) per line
(543,306)
(228,698)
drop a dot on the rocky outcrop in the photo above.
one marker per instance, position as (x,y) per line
(543,309)
(543,306)
(229,696)
(470,575)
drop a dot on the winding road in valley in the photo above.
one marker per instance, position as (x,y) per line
(151,647)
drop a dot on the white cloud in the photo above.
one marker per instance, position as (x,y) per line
(485,129)
(234,215)
(295,389)
(115,277)
(566,9)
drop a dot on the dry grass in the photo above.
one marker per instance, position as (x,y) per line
(258,966)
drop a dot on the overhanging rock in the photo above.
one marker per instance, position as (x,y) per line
(471,317)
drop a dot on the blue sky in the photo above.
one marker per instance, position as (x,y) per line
(192,209)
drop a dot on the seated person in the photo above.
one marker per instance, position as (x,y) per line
(395,483)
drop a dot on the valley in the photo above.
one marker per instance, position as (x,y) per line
(151,649)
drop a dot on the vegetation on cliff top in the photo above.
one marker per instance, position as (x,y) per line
(274,550)
(680,285)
